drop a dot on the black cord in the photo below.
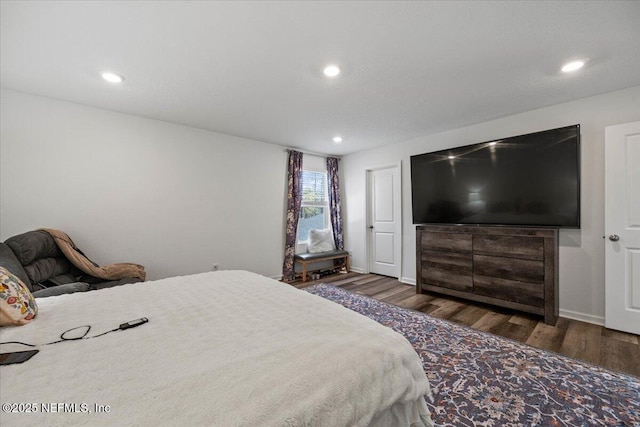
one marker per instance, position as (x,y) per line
(63,338)
(81,337)
(18,342)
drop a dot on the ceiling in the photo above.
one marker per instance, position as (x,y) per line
(254,69)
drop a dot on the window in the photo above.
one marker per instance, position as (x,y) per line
(314,212)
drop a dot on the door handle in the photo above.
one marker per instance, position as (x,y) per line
(371,227)
(614,237)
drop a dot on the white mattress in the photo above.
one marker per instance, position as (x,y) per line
(226,348)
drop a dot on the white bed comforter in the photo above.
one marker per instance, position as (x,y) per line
(228,348)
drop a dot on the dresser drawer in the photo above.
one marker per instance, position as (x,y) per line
(531,294)
(453,242)
(452,261)
(521,270)
(447,279)
(509,246)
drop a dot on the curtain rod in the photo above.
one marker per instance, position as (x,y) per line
(312,153)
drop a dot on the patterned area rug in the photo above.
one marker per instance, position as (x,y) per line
(479,379)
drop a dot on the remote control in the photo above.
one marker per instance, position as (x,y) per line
(134,323)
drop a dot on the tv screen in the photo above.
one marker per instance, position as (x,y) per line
(529,180)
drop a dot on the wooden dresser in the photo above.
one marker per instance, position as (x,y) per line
(510,267)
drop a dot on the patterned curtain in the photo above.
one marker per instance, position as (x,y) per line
(294,200)
(334,201)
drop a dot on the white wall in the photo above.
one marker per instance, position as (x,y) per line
(128,189)
(581,251)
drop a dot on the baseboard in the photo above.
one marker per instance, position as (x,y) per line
(583,317)
(357,270)
(408,281)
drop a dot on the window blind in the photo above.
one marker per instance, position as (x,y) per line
(314,187)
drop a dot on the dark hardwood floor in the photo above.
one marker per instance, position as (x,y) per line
(594,344)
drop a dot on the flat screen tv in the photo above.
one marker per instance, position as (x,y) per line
(526,180)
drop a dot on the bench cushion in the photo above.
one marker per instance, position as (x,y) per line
(320,255)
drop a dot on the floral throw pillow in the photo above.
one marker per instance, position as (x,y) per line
(321,241)
(17,305)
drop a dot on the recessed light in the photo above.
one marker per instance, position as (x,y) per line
(452,157)
(112,77)
(331,70)
(337,139)
(572,66)
(493,143)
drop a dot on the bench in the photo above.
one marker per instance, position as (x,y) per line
(310,258)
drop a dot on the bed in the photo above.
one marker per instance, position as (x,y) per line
(225,348)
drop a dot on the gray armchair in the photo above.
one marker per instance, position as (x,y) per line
(36,259)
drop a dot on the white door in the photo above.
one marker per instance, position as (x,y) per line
(622,227)
(384,220)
